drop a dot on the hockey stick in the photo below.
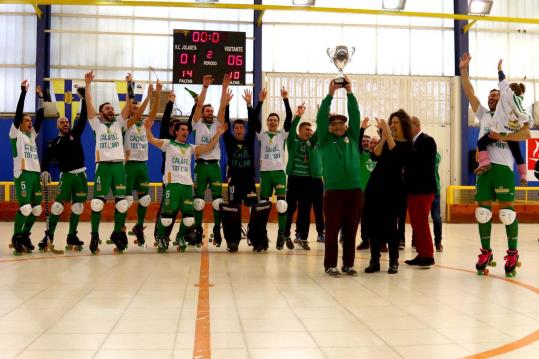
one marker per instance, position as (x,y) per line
(45,180)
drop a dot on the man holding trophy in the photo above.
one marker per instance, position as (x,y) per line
(339,148)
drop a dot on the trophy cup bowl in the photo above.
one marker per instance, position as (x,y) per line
(341,56)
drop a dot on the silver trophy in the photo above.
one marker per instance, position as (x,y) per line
(341,56)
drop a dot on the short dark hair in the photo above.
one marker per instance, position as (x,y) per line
(303,124)
(335,117)
(102,105)
(405,121)
(206,105)
(494,90)
(180,123)
(239,122)
(274,114)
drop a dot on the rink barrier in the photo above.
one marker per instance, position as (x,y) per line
(460,204)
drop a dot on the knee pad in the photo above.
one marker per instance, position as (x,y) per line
(198,204)
(57,208)
(188,221)
(216,202)
(121,205)
(507,216)
(77,208)
(166,221)
(282,206)
(26,210)
(129,200)
(483,215)
(36,210)
(145,200)
(97,204)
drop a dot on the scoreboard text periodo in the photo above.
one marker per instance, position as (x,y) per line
(198,53)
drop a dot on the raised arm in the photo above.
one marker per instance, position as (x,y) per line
(81,122)
(20,105)
(322,118)
(364,125)
(199,149)
(88,78)
(466,84)
(386,131)
(254,122)
(206,82)
(140,110)
(288,119)
(520,135)
(40,113)
(353,110)
(294,127)
(155,107)
(126,110)
(165,121)
(149,134)
(224,94)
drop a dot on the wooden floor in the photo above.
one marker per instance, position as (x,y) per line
(280,304)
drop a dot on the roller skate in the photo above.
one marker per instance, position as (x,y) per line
(216,236)
(117,239)
(511,262)
(74,243)
(304,244)
(289,243)
(280,240)
(484,259)
(43,245)
(197,239)
(181,244)
(27,243)
(94,243)
(138,232)
(16,245)
(162,244)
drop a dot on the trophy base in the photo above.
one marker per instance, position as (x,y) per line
(340,81)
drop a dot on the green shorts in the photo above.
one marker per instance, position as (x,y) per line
(208,174)
(178,197)
(109,175)
(272,180)
(28,188)
(137,177)
(72,187)
(498,183)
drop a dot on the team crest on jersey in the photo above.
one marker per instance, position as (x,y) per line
(346,139)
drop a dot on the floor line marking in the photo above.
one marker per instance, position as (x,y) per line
(202,346)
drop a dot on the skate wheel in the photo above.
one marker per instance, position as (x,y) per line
(10,246)
(155,244)
(519,264)
(131,233)
(493,263)
(510,274)
(479,273)
(100,241)
(486,272)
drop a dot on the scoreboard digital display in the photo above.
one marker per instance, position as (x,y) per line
(198,53)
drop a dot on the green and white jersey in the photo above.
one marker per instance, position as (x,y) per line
(109,143)
(499,151)
(204,132)
(510,115)
(24,150)
(136,143)
(272,150)
(177,162)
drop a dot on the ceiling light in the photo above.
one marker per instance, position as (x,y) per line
(480,7)
(303,2)
(393,4)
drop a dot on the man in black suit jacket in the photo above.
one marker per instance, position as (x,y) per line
(420,184)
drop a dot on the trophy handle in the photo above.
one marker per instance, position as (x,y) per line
(330,54)
(352,52)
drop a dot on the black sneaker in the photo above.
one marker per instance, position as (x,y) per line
(420,261)
(364,245)
(289,243)
(402,245)
(349,271)
(333,272)
(393,268)
(321,238)
(374,266)
(439,247)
